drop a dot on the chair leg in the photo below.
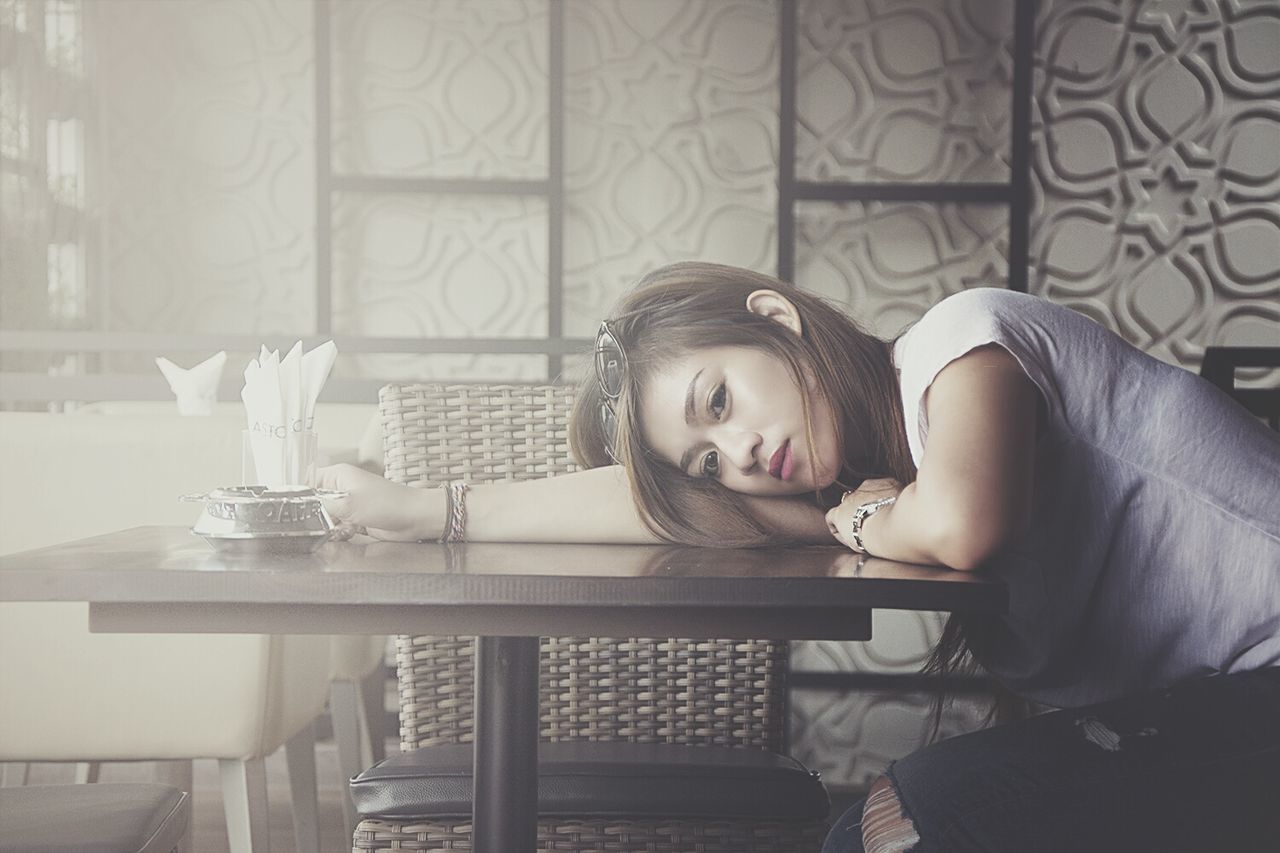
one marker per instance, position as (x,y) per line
(15,774)
(181,775)
(87,772)
(244,798)
(301,753)
(344,709)
(374,690)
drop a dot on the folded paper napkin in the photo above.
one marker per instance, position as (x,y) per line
(279,397)
(196,387)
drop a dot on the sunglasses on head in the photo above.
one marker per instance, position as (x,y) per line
(611,365)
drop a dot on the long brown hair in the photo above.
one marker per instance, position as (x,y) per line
(686,306)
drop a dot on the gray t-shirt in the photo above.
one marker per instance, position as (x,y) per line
(1153,553)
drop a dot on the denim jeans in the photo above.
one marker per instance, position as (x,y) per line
(1192,768)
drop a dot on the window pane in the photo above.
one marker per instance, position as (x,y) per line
(204,165)
(441,89)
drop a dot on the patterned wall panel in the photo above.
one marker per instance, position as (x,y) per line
(903,91)
(1157,170)
(888,262)
(671,142)
(450,88)
(203,165)
(441,266)
(851,736)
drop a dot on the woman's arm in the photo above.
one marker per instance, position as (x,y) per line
(587,506)
(793,516)
(973,488)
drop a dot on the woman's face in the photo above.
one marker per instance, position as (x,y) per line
(735,414)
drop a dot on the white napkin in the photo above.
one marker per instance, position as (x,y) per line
(280,400)
(196,387)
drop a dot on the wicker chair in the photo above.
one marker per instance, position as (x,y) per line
(663,691)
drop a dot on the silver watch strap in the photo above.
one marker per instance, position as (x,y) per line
(860,516)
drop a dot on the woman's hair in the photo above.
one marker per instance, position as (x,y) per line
(687,306)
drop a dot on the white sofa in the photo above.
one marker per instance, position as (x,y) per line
(67,695)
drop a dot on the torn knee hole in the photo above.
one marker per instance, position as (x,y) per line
(885,829)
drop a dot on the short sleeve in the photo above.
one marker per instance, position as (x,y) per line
(1021,324)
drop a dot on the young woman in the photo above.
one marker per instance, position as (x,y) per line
(1132,509)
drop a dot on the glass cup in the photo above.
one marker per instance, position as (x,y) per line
(278,459)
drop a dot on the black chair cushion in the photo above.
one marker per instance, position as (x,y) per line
(578,779)
(110,817)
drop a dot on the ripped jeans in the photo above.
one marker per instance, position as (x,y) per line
(1195,767)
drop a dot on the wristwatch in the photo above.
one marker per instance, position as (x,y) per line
(860,516)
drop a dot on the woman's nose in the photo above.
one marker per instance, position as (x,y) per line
(741,448)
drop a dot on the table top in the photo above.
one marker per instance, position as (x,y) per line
(365,585)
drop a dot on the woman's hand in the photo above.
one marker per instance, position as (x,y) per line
(840,518)
(377,506)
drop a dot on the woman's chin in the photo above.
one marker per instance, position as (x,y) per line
(823,479)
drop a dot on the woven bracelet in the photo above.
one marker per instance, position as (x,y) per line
(448,513)
(456,527)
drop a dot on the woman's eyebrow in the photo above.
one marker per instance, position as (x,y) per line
(689,413)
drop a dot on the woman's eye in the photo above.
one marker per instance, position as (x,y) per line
(717,401)
(711,465)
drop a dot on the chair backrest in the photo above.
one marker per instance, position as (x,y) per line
(1219,367)
(664,690)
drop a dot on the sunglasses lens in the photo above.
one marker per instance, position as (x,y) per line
(609,423)
(609,364)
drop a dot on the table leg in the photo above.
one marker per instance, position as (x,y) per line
(504,810)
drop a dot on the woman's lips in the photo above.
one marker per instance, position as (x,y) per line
(780,464)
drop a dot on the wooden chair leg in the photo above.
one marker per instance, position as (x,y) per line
(344,710)
(300,750)
(15,774)
(244,798)
(87,772)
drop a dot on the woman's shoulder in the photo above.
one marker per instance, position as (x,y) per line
(988,304)
(1020,321)
(1029,328)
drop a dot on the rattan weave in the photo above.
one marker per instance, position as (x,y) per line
(604,836)
(686,691)
(704,692)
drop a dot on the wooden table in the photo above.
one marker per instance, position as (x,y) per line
(164,580)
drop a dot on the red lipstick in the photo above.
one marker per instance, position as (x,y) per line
(777,467)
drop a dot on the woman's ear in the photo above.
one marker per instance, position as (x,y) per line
(775,306)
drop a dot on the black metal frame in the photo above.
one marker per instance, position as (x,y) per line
(1219,367)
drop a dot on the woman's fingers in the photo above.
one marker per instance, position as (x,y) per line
(338,506)
(833,523)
